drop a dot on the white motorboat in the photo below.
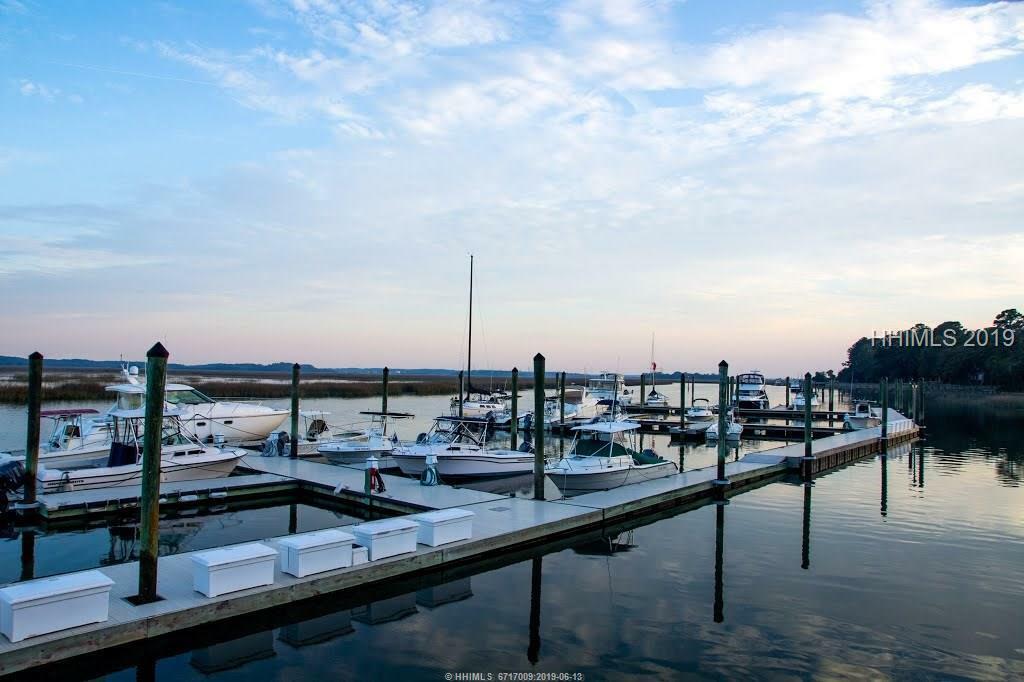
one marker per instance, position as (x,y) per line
(750,392)
(355,449)
(796,390)
(608,388)
(76,438)
(481,405)
(699,411)
(460,453)
(733,429)
(313,432)
(862,417)
(603,456)
(182,457)
(201,415)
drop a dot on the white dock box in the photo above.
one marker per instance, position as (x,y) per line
(443,526)
(387,537)
(229,569)
(38,607)
(316,552)
(360,555)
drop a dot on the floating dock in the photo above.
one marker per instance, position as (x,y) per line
(501,524)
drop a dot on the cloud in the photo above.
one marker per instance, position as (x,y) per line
(30,89)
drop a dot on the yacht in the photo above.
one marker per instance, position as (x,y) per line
(460,453)
(609,388)
(750,392)
(603,456)
(205,418)
(182,457)
(355,447)
(862,417)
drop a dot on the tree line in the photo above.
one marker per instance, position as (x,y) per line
(949,352)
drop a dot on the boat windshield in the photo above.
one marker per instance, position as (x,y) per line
(129,401)
(189,397)
(594,445)
(171,435)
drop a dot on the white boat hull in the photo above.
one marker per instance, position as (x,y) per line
(468,463)
(590,479)
(174,468)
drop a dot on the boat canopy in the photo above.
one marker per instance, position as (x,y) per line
(68,413)
(139,388)
(608,427)
(393,415)
(140,413)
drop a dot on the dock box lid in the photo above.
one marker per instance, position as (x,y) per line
(236,554)
(441,517)
(55,586)
(385,527)
(319,538)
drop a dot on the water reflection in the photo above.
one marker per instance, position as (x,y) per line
(805,549)
(719,607)
(536,575)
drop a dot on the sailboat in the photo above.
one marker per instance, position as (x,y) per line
(655,399)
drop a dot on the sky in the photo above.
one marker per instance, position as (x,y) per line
(303,180)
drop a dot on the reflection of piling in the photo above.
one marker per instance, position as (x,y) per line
(723,388)
(295,411)
(533,651)
(920,466)
(35,398)
(805,552)
(719,561)
(28,555)
(514,424)
(538,427)
(885,485)
(156,380)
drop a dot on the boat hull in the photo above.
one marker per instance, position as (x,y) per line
(171,469)
(569,481)
(468,464)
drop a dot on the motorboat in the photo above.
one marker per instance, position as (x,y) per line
(78,436)
(603,456)
(609,388)
(207,419)
(750,392)
(733,429)
(864,416)
(580,404)
(375,441)
(798,398)
(460,453)
(313,431)
(182,457)
(699,411)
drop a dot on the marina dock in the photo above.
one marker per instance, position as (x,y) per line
(501,524)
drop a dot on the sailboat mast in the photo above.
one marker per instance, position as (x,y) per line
(469,351)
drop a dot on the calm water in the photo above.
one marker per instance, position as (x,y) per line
(909,567)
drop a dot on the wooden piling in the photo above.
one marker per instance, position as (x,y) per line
(682,401)
(643,389)
(561,398)
(885,411)
(294,454)
(787,393)
(723,431)
(156,380)
(28,554)
(462,376)
(35,399)
(831,396)
(514,424)
(538,427)
(384,390)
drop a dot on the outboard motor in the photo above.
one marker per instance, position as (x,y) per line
(12,479)
(525,446)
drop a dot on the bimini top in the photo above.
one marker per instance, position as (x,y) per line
(393,415)
(607,427)
(67,413)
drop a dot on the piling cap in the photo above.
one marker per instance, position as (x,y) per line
(807,375)
(537,357)
(386,370)
(157,351)
(515,370)
(36,356)
(723,363)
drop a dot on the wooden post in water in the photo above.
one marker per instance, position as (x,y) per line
(885,412)
(156,380)
(913,401)
(461,387)
(831,396)
(808,428)
(538,427)
(35,399)
(787,393)
(561,398)
(643,389)
(28,554)
(294,454)
(723,449)
(384,390)
(682,401)
(514,424)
